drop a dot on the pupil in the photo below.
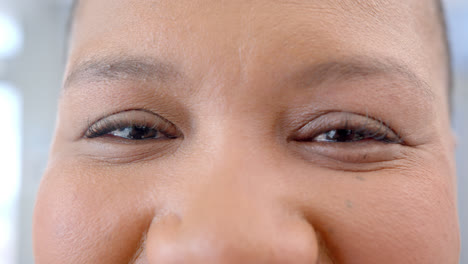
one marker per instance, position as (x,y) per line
(138,132)
(343,135)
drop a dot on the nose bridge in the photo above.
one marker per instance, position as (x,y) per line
(229,196)
(237,188)
(240,180)
(237,159)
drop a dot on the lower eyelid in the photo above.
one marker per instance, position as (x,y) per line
(351,152)
(124,152)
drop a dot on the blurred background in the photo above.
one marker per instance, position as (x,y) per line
(32,41)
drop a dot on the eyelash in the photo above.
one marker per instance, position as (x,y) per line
(352,130)
(106,126)
(371,129)
(359,135)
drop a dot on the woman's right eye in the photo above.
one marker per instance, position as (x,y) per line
(133,125)
(137,132)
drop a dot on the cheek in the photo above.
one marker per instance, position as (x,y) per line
(93,214)
(83,215)
(400,216)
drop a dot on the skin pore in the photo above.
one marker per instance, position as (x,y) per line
(209,131)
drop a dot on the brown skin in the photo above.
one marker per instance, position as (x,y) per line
(246,90)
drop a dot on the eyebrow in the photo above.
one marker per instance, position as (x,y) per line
(119,69)
(149,69)
(364,67)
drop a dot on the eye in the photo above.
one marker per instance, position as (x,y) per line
(133,125)
(136,132)
(347,128)
(348,141)
(355,135)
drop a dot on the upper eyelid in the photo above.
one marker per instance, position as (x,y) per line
(106,118)
(90,123)
(325,123)
(109,126)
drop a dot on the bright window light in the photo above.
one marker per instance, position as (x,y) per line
(10,157)
(11,37)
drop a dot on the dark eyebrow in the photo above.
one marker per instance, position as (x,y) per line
(357,68)
(149,69)
(117,68)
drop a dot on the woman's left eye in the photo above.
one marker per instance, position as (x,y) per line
(340,127)
(351,135)
(340,135)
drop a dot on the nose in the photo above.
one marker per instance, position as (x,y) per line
(231,228)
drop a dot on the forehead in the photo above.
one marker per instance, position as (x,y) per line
(238,36)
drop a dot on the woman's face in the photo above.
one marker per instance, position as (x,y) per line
(251,132)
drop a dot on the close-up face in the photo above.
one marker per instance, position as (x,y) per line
(261,131)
